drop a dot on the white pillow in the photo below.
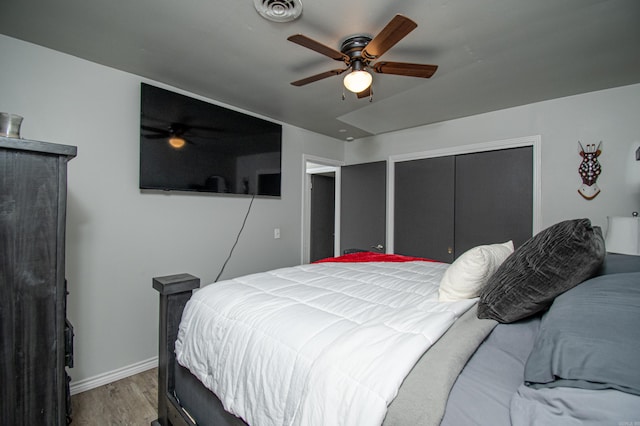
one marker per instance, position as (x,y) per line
(470,272)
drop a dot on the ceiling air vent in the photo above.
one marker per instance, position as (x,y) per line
(279,10)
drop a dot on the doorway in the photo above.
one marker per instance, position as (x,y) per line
(363,207)
(321,224)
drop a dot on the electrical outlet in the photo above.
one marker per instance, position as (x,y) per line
(276,233)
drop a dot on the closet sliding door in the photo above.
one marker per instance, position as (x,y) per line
(444,206)
(493,198)
(424,208)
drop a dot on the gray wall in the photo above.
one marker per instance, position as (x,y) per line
(610,116)
(119,238)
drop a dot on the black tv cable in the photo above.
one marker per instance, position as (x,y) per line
(237,238)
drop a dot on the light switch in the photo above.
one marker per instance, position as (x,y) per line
(276,233)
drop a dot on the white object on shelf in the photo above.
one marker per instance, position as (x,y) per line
(623,235)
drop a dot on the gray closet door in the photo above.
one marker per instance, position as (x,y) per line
(444,206)
(494,197)
(363,206)
(424,208)
(322,217)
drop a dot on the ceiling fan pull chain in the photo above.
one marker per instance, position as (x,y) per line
(343,95)
(371,94)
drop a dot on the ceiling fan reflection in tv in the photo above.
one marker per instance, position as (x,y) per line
(178,134)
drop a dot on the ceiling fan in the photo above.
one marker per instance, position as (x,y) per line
(176,133)
(359,53)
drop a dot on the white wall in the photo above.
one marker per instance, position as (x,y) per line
(610,116)
(119,238)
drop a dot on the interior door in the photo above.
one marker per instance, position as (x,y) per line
(443,206)
(322,221)
(363,206)
(424,208)
(493,197)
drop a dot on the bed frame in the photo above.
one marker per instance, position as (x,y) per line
(173,379)
(175,291)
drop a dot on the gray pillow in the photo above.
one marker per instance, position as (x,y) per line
(615,263)
(590,337)
(548,264)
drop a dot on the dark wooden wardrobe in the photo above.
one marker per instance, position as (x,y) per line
(35,338)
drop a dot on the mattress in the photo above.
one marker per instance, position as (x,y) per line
(421,398)
(241,339)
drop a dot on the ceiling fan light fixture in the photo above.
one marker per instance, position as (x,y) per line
(177,142)
(279,10)
(357,81)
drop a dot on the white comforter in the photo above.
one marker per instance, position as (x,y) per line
(321,344)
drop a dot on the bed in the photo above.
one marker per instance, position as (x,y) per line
(542,334)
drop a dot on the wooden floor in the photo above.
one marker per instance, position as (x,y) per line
(128,402)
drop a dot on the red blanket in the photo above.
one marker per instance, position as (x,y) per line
(368,256)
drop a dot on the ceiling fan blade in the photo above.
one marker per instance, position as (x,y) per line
(403,68)
(203,128)
(155,130)
(155,136)
(309,43)
(318,77)
(395,31)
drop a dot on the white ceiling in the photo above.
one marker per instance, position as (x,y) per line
(492,54)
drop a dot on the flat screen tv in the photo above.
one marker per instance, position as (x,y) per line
(190,145)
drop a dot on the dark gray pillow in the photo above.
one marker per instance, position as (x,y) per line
(548,264)
(590,337)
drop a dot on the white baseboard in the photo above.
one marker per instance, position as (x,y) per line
(112,376)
